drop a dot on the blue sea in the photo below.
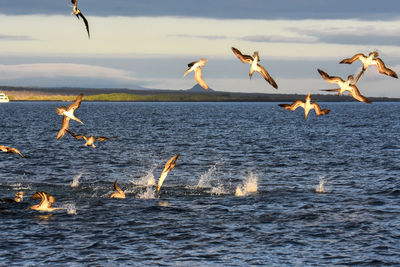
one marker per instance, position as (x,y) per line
(255,184)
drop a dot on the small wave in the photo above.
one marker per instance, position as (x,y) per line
(249,186)
(75,181)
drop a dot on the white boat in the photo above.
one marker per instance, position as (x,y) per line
(3,98)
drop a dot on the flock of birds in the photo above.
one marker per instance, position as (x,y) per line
(68,112)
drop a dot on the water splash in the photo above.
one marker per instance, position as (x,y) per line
(250,185)
(206,178)
(71,208)
(75,181)
(320,188)
(149,193)
(147,180)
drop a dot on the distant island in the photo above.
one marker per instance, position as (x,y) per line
(194,94)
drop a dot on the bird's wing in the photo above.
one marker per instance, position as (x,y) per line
(64,127)
(16,151)
(352,59)
(86,23)
(330,79)
(190,65)
(267,77)
(318,110)
(76,136)
(358,96)
(167,168)
(116,187)
(198,77)
(76,104)
(243,58)
(102,138)
(383,69)
(293,106)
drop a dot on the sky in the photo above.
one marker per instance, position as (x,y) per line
(148,44)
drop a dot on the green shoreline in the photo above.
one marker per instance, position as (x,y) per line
(197,97)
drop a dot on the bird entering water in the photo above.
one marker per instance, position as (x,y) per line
(167,168)
(19,196)
(118,193)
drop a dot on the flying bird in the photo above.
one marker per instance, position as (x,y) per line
(196,67)
(45,203)
(68,114)
(118,193)
(254,66)
(8,149)
(344,86)
(89,140)
(167,168)
(78,13)
(307,105)
(372,59)
(17,198)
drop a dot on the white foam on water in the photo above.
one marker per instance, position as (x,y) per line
(75,181)
(206,178)
(320,188)
(249,185)
(149,193)
(147,180)
(70,207)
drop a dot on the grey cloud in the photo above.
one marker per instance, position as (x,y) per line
(5,37)
(279,39)
(208,37)
(255,9)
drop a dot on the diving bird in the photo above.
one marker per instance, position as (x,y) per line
(8,149)
(17,198)
(45,203)
(78,13)
(167,168)
(89,140)
(68,114)
(196,67)
(118,193)
(372,59)
(307,105)
(344,86)
(254,66)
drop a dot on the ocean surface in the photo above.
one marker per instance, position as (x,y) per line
(255,184)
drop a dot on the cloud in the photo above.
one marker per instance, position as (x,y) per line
(208,37)
(279,39)
(224,9)
(58,70)
(5,37)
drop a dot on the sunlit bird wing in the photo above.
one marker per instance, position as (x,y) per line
(267,77)
(167,168)
(199,78)
(64,127)
(243,58)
